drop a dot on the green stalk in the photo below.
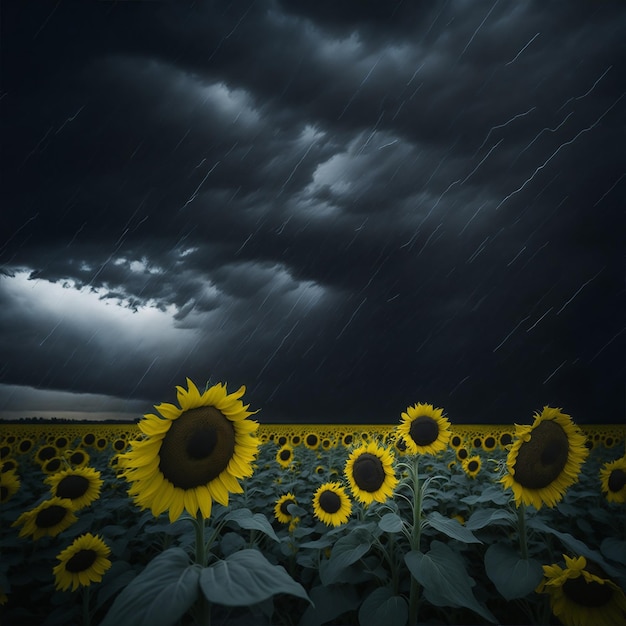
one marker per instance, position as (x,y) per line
(521,529)
(416,532)
(203,606)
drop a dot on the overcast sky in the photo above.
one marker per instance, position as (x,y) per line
(349,207)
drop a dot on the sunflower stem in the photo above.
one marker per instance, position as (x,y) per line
(521,530)
(200,545)
(416,532)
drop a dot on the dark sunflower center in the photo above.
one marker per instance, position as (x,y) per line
(47,453)
(455,441)
(285,455)
(77,458)
(329,501)
(541,460)
(72,487)
(368,472)
(472,466)
(50,516)
(590,594)
(119,444)
(89,438)
(53,465)
(284,505)
(25,445)
(424,430)
(617,480)
(347,439)
(490,442)
(197,448)
(81,561)
(311,440)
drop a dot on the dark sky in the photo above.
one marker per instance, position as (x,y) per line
(349,207)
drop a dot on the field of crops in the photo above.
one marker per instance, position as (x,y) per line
(420,522)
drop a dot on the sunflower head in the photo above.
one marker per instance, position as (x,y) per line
(49,518)
(192,454)
(545,459)
(284,456)
(581,593)
(424,429)
(370,473)
(331,504)
(83,562)
(9,485)
(281,508)
(80,485)
(613,480)
(472,465)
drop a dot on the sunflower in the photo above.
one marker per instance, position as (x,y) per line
(347,440)
(53,465)
(194,454)
(462,454)
(489,443)
(8,465)
(284,456)
(582,594)
(312,441)
(613,480)
(81,485)
(545,459)
(50,518)
(456,441)
(331,504)
(369,470)
(424,429)
(101,443)
(472,465)
(25,445)
(76,458)
(45,453)
(281,511)
(9,485)
(83,562)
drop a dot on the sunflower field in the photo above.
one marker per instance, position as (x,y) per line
(198,514)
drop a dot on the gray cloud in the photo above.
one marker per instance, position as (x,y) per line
(346,209)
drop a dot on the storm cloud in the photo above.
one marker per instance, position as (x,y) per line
(348,209)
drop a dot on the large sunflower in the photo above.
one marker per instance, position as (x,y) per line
(80,485)
(424,429)
(281,511)
(194,454)
(582,595)
(613,480)
(331,504)
(369,470)
(83,562)
(50,518)
(545,459)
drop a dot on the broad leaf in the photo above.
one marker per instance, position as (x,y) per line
(160,595)
(442,574)
(451,527)
(390,523)
(513,576)
(382,608)
(486,517)
(246,577)
(329,603)
(257,521)
(345,552)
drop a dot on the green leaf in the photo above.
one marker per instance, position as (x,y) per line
(382,608)
(513,576)
(487,517)
(391,523)
(246,577)
(329,603)
(575,545)
(614,549)
(493,494)
(442,574)
(451,527)
(257,521)
(159,596)
(345,552)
